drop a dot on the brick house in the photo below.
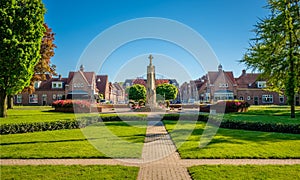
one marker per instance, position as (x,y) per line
(251,89)
(221,85)
(45,93)
(78,85)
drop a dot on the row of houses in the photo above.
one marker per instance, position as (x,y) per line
(80,84)
(222,85)
(214,86)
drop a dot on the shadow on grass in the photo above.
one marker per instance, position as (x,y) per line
(233,136)
(37,142)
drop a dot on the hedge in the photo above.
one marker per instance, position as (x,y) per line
(38,126)
(245,125)
(64,124)
(85,121)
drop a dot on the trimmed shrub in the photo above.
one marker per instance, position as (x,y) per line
(65,124)
(235,124)
(227,106)
(40,126)
(79,106)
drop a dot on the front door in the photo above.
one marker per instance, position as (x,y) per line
(44,98)
(256,100)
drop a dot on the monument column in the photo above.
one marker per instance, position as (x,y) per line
(151,92)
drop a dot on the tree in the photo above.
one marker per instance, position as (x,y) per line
(21,32)
(168,91)
(275,51)
(137,92)
(44,66)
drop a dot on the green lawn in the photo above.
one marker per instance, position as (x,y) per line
(68,172)
(219,172)
(115,139)
(228,143)
(22,114)
(267,114)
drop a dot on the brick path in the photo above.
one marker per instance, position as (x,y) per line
(160,159)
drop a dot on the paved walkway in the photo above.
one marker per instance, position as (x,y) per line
(160,159)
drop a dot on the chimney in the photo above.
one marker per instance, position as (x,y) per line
(220,68)
(81,68)
(59,76)
(243,72)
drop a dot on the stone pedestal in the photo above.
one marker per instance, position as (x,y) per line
(151,92)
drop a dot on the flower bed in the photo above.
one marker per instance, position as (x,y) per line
(78,106)
(226,106)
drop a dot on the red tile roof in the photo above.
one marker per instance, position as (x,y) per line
(246,79)
(102,84)
(47,84)
(89,76)
(213,75)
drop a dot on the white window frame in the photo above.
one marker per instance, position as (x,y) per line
(281,101)
(248,98)
(223,85)
(59,96)
(261,84)
(267,98)
(54,96)
(37,84)
(33,98)
(57,85)
(19,98)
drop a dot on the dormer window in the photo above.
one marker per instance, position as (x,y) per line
(261,84)
(57,85)
(37,84)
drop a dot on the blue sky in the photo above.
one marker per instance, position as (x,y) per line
(224,24)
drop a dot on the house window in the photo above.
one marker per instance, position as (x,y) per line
(281,99)
(54,96)
(19,98)
(33,98)
(267,98)
(78,85)
(248,98)
(261,84)
(37,84)
(223,85)
(241,98)
(59,96)
(57,85)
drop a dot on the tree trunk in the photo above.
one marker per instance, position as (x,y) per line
(10,102)
(293,110)
(3,107)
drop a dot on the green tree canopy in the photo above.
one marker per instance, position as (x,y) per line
(137,92)
(21,32)
(44,65)
(167,91)
(275,52)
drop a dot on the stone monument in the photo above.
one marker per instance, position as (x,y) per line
(151,92)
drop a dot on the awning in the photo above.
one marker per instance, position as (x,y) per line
(76,92)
